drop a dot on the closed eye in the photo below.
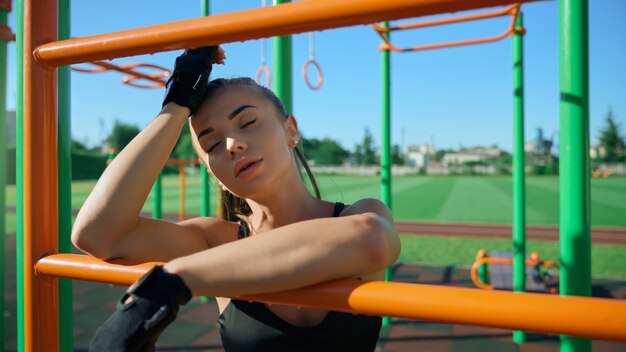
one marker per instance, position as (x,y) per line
(213,146)
(248,123)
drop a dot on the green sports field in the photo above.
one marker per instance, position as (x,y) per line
(446,199)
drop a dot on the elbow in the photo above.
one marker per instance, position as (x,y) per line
(381,241)
(90,241)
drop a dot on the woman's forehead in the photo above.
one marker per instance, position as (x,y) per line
(229,99)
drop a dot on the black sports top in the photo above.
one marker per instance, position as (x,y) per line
(252,327)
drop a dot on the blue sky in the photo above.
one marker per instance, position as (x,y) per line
(452,97)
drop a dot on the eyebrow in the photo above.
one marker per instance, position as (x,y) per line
(230,116)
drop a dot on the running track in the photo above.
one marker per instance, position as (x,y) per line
(616,236)
(546,233)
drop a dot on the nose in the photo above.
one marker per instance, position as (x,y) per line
(235,145)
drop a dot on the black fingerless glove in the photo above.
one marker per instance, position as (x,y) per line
(190,78)
(136,326)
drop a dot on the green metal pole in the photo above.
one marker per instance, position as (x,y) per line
(19,173)
(385,144)
(282,67)
(519,191)
(66,337)
(3,166)
(206,193)
(574,168)
(157,196)
(205,209)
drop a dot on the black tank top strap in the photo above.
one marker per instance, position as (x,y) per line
(243,230)
(338,209)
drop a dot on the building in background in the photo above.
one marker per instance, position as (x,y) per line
(473,154)
(10,125)
(420,155)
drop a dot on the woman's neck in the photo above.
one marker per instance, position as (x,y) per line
(286,206)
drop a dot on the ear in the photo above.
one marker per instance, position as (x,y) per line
(291,130)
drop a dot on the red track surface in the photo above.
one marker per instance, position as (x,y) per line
(605,235)
(546,233)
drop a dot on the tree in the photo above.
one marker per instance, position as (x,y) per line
(77,145)
(325,151)
(121,135)
(184,148)
(396,156)
(612,140)
(365,153)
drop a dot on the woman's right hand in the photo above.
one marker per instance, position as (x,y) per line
(189,80)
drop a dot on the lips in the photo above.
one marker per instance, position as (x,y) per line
(244,163)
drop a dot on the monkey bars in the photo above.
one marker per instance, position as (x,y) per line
(597,318)
(258,23)
(512,11)
(157,78)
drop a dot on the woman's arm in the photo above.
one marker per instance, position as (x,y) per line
(108,225)
(112,209)
(295,255)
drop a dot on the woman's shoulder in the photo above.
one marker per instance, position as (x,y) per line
(216,231)
(366,205)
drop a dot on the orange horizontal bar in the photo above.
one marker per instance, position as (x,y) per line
(504,12)
(512,11)
(290,18)
(577,316)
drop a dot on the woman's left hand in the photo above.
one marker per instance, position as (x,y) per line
(142,313)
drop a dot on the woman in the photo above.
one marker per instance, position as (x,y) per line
(286,239)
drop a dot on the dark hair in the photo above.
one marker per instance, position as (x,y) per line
(233,207)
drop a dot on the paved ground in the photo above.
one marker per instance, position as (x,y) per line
(195,329)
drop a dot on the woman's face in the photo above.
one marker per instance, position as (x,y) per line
(243,140)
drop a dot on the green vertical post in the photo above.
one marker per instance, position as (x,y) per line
(66,336)
(483,273)
(157,197)
(519,190)
(3,166)
(205,209)
(282,67)
(574,168)
(19,173)
(385,144)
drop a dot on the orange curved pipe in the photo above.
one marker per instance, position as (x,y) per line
(577,316)
(512,11)
(6,33)
(5,5)
(290,18)
(156,78)
(482,258)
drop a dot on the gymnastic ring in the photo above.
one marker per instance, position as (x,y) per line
(268,73)
(320,75)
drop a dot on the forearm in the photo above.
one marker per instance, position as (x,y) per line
(116,201)
(288,257)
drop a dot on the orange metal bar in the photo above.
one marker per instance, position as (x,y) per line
(5,5)
(157,78)
(513,11)
(6,33)
(290,18)
(578,316)
(504,12)
(534,260)
(41,316)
